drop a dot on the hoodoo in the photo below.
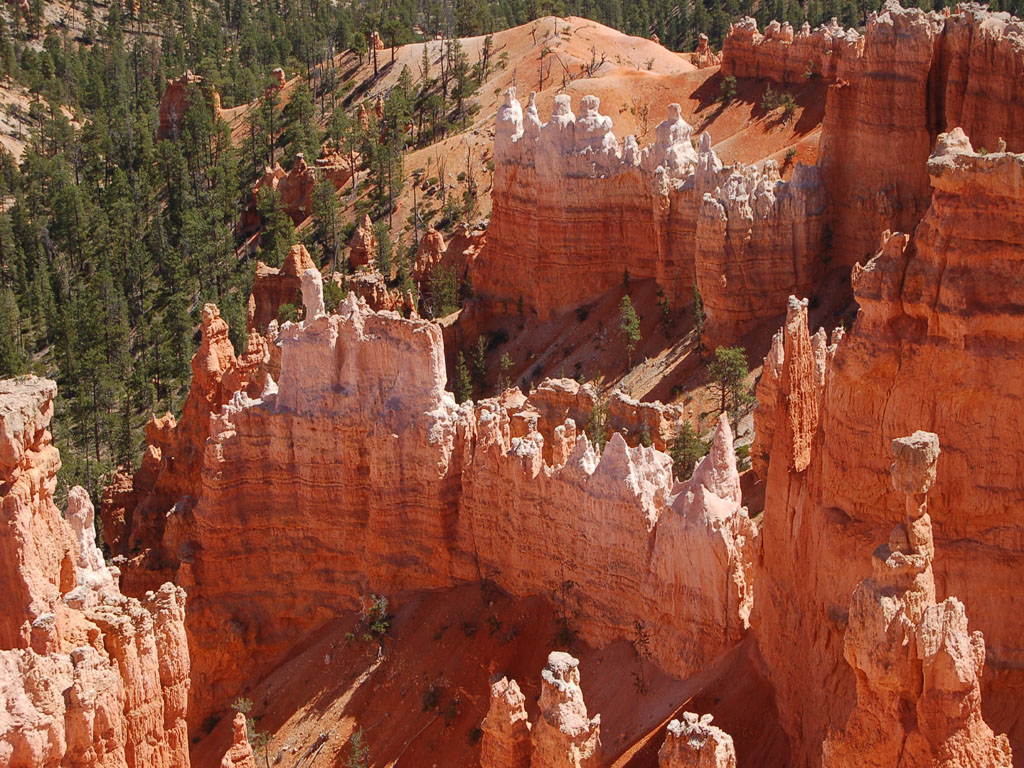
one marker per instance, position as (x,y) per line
(487,410)
(87,676)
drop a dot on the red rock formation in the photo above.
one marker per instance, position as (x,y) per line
(363,245)
(573,209)
(555,401)
(428,255)
(175,100)
(37,552)
(239,754)
(564,736)
(334,165)
(171,467)
(783,56)
(506,729)
(935,345)
(911,76)
(703,56)
(361,406)
(272,287)
(369,285)
(911,654)
(295,188)
(88,677)
(694,743)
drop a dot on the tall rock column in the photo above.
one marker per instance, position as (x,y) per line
(239,754)
(506,739)
(917,666)
(694,742)
(564,736)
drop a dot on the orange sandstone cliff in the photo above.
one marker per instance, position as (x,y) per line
(88,677)
(574,209)
(911,76)
(936,345)
(367,470)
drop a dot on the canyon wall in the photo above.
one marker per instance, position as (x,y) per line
(88,677)
(917,666)
(574,209)
(937,345)
(911,76)
(361,467)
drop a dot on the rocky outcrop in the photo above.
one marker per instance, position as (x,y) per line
(166,485)
(785,56)
(554,402)
(506,729)
(936,345)
(363,245)
(694,742)
(37,551)
(370,286)
(428,255)
(239,754)
(918,668)
(272,287)
(175,101)
(88,677)
(910,76)
(295,187)
(574,208)
(335,165)
(398,487)
(564,736)
(703,56)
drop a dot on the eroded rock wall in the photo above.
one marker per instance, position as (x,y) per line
(88,677)
(936,345)
(911,76)
(362,468)
(918,668)
(574,209)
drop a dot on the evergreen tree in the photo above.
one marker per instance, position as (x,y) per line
(463,383)
(686,449)
(727,373)
(629,327)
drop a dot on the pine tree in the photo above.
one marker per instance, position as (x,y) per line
(463,383)
(727,373)
(686,449)
(629,327)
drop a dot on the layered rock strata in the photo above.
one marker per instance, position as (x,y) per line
(363,464)
(918,668)
(937,344)
(574,208)
(88,677)
(910,76)
(694,742)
